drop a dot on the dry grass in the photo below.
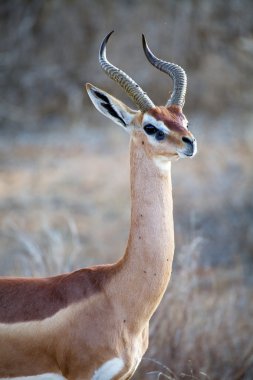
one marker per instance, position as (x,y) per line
(203,327)
(64,200)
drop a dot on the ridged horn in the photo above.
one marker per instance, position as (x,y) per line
(176,72)
(132,89)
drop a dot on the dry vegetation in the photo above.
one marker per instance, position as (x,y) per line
(64,177)
(59,211)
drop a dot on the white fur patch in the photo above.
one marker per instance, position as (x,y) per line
(109,369)
(159,124)
(163,163)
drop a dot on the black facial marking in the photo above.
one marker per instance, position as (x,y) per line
(150,129)
(160,135)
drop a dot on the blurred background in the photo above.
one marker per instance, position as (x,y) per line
(64,171)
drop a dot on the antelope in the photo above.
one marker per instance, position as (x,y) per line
(93,323)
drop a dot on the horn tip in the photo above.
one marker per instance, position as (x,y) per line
(145,46)
(108,36)
(143,40)
(103,45)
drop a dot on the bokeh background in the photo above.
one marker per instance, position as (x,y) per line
(64,171)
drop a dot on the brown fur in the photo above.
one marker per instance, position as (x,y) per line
(24,299)
(74,323)
(171,116)
(83,319)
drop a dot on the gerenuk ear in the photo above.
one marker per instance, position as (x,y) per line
(110,106)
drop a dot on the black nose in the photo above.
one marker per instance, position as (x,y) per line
(187,140)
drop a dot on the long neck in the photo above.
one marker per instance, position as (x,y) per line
(146,265)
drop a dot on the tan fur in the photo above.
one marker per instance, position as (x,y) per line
(73,324)
(112,322)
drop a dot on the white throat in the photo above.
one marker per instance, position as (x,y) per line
(162,163)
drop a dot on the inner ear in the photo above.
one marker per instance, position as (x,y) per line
(108,106)
(111,107)
(100,96)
